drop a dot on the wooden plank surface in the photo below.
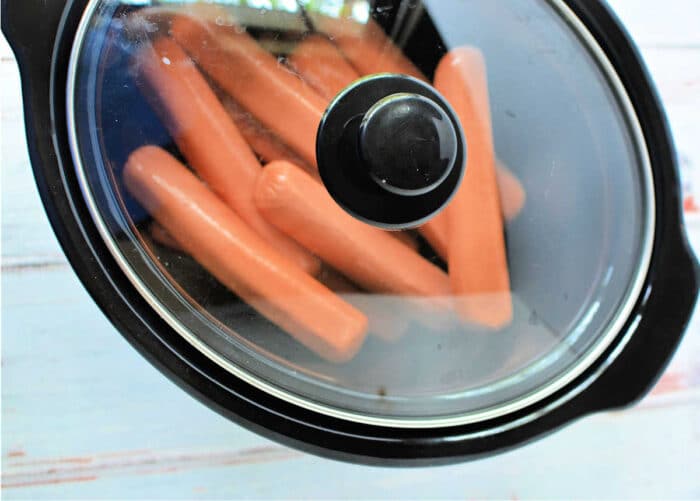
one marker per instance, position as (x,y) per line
(84,416)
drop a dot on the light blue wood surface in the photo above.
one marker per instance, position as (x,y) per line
(84,416)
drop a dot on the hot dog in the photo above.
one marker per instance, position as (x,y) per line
(257,80)
(319,62)
(299,206)
(366,46)
(476,247)
(240,259)
(511,194)
(511,191)
(270,147)
(208,138)
(263,142)
(388,317)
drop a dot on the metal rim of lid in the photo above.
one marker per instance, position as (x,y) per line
(588,359)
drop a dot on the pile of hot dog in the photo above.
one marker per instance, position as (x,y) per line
(252,211)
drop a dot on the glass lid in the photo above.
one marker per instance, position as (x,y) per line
(404,213)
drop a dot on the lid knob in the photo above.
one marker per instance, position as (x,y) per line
(408,143)
(391,151)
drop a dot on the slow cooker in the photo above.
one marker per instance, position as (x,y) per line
(390,232)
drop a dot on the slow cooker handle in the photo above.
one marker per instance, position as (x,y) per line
(660,319)
(30,27)
(656,326)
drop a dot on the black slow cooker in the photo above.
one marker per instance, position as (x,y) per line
(391,232)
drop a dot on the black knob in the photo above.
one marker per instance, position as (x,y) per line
(408,144)
(391,151)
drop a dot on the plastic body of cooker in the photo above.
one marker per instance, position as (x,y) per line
(42,35)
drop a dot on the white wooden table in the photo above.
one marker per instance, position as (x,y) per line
(84,416)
